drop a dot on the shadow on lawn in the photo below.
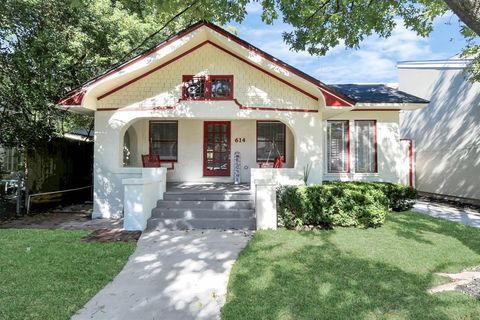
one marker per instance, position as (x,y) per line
(323,282)
(411,225)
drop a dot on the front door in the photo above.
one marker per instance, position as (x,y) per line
(216,148)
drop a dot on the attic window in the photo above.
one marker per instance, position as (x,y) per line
(212,87)
(193,87)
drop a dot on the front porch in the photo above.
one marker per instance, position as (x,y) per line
(204,151)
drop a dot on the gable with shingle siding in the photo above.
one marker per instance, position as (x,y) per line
(251,87)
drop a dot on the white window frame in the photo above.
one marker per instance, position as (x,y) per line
(327,151)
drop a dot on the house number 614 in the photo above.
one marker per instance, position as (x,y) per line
(239,140)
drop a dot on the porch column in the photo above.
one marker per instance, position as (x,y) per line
(108,189)
(307,129)
(266,204)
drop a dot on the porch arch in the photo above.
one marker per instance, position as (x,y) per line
(306,128)
(130,147)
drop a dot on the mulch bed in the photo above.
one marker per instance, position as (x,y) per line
(112,235)
(452,203)
(472,288)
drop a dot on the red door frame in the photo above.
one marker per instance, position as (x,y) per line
(222,173)
(410,160)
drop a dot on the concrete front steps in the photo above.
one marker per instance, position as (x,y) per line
(204,210)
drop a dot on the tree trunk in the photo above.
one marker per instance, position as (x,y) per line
(468,11)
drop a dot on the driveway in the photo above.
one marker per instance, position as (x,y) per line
(171,275)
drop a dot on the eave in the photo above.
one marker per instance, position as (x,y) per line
(90,91)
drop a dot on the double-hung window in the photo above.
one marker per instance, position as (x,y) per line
(270,140)
(164,139)
(365,146)
(212,87)
(338,146)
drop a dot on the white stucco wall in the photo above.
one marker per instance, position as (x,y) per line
(447,131)
(189,166)
(391,154)
(163,88)
(146,98)
(307,136)
(110,126)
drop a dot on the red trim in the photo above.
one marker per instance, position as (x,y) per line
(240,106)
(329,94)
(185,79)
(207,86)
(396,110)
(214,77)
(374,144)
(243,107)
(223,173)
(195,48)
(139,109)
(323,87)
(331,100)
(74,99)
(150,138)
(139,57)
(151,71)
(284,140)
(349,166)
(262,70)
(410,160)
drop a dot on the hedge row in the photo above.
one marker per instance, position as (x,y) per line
(343,204)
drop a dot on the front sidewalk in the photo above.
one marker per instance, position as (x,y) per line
(466,216)
(171,275)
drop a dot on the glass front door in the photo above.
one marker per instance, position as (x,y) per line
(216,148)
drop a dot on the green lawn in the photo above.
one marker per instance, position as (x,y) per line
(50,274)
(355,273)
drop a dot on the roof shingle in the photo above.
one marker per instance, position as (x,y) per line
(376,93)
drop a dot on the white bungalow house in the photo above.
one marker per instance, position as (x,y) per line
(218,110)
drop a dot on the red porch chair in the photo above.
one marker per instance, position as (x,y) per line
(151,160)
(278,162)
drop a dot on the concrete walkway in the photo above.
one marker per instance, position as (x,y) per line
(171,275)
(465,216)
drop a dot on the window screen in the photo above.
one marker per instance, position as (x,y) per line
(270,140)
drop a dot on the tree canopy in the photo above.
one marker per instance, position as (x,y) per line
(50,47)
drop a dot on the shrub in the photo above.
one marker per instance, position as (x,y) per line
(401,198)
(344,204)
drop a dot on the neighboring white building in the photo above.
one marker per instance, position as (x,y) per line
(204,94)
(446,133)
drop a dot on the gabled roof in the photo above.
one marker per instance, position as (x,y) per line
(345,95)
(376,93)
(75,96)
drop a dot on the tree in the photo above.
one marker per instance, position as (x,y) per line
(319,25)
(50,47)
(47,47)
(468,11)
